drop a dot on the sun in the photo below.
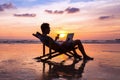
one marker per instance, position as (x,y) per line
(62,35)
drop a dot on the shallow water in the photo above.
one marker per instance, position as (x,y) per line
(17,63)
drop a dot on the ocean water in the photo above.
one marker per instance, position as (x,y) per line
(17,63)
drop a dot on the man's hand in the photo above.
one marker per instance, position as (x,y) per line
(57,37)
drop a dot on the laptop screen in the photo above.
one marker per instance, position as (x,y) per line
(69,36)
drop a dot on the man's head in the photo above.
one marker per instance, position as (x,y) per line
(45,28)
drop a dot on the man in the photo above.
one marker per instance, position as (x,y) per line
(64,46)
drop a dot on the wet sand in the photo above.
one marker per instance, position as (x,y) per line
(17,63)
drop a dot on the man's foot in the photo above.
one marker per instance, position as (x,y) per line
(88,58)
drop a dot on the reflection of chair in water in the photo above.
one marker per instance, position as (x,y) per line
(64,71)
(69,52)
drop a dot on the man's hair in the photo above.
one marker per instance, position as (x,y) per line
(44,26)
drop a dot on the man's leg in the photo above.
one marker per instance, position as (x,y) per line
(81,48)
(76,56)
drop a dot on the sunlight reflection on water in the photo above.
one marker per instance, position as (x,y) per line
(17,63)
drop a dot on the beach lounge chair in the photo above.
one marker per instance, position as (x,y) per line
(52,51)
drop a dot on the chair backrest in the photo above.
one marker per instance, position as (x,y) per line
(47,41)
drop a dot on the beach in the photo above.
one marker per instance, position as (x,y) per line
(17,63)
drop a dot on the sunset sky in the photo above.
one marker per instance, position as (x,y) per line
(88,19)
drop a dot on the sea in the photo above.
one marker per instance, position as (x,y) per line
(17,63)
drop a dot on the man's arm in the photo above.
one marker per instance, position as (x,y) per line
(57,37)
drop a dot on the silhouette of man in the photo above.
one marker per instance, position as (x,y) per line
(45,28)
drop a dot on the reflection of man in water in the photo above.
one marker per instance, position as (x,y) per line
(65,45)
(66,71)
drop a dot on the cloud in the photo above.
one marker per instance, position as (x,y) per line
(54,12)
(25,15)
(58,12)
(105,17)
(49,11)
(69,10)
(6,6)
(72,10)
(1,9)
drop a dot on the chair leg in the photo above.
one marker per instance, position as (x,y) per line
(69,54)
(54,55)
(76,55)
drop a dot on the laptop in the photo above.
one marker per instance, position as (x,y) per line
(69,37)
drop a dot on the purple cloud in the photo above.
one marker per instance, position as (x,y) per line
(54,12)
(58,12)
(49,11)
(1,9)
(105,17)
(69,10)
(6,6)
(25,15)
(72,10)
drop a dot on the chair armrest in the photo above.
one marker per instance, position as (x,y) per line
(37,35)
